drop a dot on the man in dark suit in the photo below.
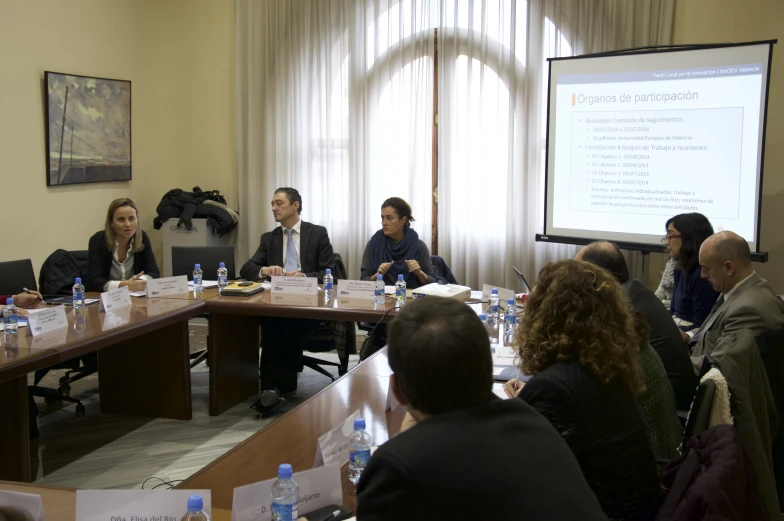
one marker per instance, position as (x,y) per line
(468,455)
(747,301)
(295,249)
(665,337)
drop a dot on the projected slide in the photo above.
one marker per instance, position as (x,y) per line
(629,149)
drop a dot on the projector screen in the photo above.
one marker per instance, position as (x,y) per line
(634,139)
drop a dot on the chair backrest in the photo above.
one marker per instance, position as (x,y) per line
(184,257)
(699,415)
(15,275)
(59,271)
(443,274)
(340,267)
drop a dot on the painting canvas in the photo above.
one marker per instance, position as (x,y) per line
(88,123)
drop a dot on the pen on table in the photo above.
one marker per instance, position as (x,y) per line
(30,292)
(331,516)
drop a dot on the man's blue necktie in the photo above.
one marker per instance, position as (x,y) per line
(291,252)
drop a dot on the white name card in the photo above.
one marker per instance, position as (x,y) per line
(295,285)
(45,320)
(361,289)
(167,286)
(503,293)
(317,488)
(135,505)
(333,446)
(30,504)
(115,299)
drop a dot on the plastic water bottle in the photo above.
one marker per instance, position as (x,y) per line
(510,321)
(195,509)
(492,329)
(378,292)
(10,317)
(492,309)
(223,277)
(285,495)
(78,294)
(400,291)
(328,285)
(198,278)
(359,444)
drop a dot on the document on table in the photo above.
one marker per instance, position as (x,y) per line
(205,284)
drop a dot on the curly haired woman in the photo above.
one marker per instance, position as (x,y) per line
(578,339)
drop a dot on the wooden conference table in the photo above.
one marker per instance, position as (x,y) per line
(143,361)
(292,439)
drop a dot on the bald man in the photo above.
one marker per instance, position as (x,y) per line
(747,301)
(665,337)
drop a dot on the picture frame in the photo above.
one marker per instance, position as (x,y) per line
(88,129)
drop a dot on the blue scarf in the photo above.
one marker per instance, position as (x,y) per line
(383,249)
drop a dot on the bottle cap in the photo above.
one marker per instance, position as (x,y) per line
(329,271)
(359,424)
(284,471)
(510,302)
(380,277)
(482,317)
(400,277)
(195,503)
(198,267)
(495,291)
(9,302)
(78,280)
(222,265)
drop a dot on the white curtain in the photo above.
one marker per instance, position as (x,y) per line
(335,98)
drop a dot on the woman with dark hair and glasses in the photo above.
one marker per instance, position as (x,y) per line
(693,297)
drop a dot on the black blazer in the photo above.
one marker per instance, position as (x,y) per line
(99,262)
(605,429)
(315,253)
(666,340)
(497,460)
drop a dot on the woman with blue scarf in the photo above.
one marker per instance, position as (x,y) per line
(396,249)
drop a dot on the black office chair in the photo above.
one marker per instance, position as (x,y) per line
(699,415)
(209,257)
(332,335)
(14,275)
(184,258)
(771,347)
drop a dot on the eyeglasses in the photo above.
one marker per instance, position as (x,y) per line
(670,237)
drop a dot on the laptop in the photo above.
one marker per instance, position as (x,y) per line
(526,287)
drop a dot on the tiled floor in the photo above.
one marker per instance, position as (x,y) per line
(103,451)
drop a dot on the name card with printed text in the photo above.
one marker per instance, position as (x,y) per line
(317,488)
(295,285)
(27,503)
(128,505)
(333,446)
(167,286)
(115,299)
(45,320)
(359,289)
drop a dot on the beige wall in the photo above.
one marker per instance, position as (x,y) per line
(179,55)
(711,21)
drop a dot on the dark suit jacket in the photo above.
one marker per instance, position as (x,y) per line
(99,262)
(666,340)
(753,306)
(315,252)
(603,425)
(499,460)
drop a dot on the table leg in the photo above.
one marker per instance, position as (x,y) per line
(14,434)
(148,375)
(234,360)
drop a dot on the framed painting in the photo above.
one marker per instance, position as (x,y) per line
(88,129)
